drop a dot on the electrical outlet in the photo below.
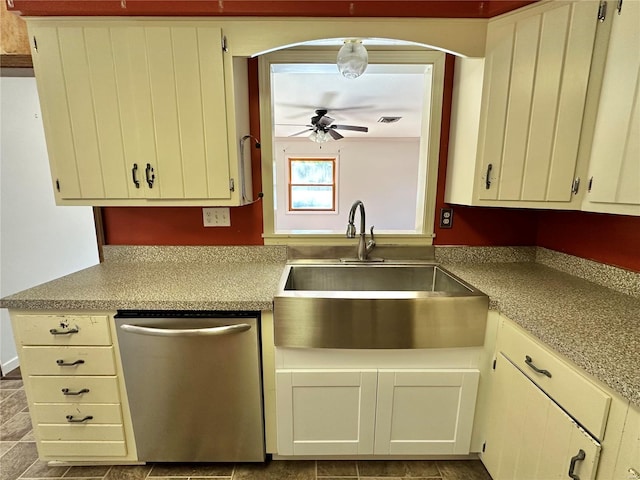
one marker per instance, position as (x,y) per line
(446,217)
(216,217)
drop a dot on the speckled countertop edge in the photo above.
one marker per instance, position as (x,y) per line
(596,328)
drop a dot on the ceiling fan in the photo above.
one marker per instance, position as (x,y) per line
(322,125)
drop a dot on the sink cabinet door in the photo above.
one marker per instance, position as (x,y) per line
(528,436)
(325,412)
(424,412)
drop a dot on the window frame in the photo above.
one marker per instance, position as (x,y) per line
(429,144)
(333,184)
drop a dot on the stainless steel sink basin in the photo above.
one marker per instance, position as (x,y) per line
(418,278)
(382,305)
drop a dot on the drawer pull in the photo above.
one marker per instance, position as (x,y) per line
(578,458)
(528,361)
(62,363)
(55,331)
(66,391)
(70,419)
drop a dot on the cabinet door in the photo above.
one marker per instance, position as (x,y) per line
(529,437)
(325,412)
(536,77)
(615,155)
(134,111)
(423,412)
(628,463)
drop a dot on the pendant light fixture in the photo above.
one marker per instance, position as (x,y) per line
(352,58)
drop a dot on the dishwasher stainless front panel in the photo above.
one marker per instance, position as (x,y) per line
(194,386)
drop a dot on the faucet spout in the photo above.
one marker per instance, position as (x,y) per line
(364,247)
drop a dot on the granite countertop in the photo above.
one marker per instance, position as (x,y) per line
(145,278)
(595,327)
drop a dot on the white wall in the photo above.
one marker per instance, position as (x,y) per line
(383,173)
(38,240)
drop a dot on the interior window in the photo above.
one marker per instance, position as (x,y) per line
(384,127)
(312,184)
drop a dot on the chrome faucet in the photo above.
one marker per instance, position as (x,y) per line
(364,247)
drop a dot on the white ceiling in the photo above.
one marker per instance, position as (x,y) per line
(383,90)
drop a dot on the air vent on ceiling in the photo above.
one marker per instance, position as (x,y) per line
(388,119)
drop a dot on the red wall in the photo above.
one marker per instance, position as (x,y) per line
(612,239)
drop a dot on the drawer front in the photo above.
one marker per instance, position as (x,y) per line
(80,432)
(58,412)
(68,360)
(81,449)
(62,329)
(49,389)
(582,399)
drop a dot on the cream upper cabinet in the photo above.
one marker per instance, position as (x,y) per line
(141,112)
(517,113)
(614,167)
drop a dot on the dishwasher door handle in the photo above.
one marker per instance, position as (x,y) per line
(186,332)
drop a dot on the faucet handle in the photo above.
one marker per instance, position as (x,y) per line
(373,238)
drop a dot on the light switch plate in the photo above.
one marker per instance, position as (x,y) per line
(216,217)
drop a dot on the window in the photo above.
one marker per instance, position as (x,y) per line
(391,167)
(312,184)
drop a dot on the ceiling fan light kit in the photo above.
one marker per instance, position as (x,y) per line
(352,58)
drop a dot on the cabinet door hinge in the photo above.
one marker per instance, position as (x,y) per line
(232,185)
(484,447)
(590,184)
(575,186)
(602,11)
(225,47)
(35,43)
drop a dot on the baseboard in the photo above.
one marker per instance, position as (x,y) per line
(10,365)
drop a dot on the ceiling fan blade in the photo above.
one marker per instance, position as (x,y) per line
(301,132)
(351,127)
(324,121)
(335,135)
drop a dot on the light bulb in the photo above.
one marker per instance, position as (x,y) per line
(352,59)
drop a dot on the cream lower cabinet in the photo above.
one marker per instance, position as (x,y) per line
(379,412)
(614,166)
(74,386)
(141,111)
(517,113)
(628,462)
(530,437)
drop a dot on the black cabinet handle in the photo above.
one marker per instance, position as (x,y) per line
(62,363)
(134,175)
(528,361)
(66,391)
(578,458)
(487,180)
(55,331)
(70,419)
(149,172)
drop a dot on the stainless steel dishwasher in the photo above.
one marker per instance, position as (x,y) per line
(194,384)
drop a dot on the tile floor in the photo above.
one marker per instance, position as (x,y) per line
(19,460)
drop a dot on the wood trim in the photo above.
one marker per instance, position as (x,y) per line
(284,8)
(10,60)
(99,225)
(290,160)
